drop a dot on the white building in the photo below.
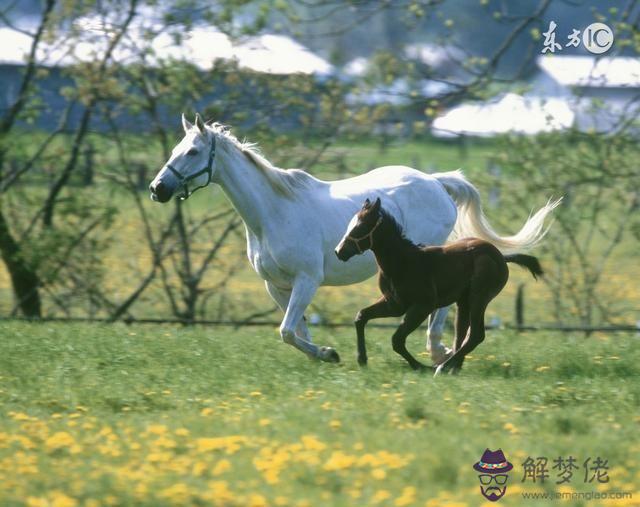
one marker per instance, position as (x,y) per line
(589,93)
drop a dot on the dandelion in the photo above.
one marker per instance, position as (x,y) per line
(59,440)
(206,411)
(178,493)
(407,497)
(255,394)
(378,473)
(264,422)
(339,461)
(182,432)
(19,416)
(334,424)
(511,428)
(311,443)
(256,500)
(157,429)
(380,496)
(34,501)
(221,467)
(59,499)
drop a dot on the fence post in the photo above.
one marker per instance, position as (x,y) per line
(520,307)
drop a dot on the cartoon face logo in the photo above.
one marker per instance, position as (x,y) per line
(493,468)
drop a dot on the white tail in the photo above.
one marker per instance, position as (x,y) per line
(473,222)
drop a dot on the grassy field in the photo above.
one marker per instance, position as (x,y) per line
(158,415)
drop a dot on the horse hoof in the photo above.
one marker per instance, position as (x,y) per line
(329,355)
(440,354)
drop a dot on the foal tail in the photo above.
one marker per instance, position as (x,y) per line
(526,261)
(472,221)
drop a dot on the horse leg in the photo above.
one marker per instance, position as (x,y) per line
(439,352)
(412,319)
(381,308)
(476,335)
(281,297)
(304,288)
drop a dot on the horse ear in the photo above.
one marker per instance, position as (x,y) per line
(185,124)
(367,203)
(200,124)
(376,205)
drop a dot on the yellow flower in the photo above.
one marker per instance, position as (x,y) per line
(335,424)
(339,461)
(59,440)
(378,473)
(511,428)
(19,416)
(311,443)
(33,501)
(221,466)
(59,499)
(264,422)
(380,496)
(206,411)
(182,432)
(255,393)
(157,429)
(178,493)
(543,368)
(256,500)
(407,498)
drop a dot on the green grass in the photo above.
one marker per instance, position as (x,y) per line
(160,415)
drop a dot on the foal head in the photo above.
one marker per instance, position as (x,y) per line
(359,236)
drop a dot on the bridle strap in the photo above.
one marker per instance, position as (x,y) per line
(208,170)
(369,236)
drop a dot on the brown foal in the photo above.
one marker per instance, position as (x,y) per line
(415,280)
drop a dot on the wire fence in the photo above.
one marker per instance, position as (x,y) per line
(622,328)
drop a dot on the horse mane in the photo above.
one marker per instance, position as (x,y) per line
(285,181)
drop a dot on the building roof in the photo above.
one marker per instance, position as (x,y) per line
(202,46)
(603,72)
(509,113)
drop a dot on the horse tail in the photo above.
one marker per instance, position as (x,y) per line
(472,221)
(527,261)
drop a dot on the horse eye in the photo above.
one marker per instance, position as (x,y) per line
(192,152)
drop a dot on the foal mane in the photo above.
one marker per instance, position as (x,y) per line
(284,181)
(397,231)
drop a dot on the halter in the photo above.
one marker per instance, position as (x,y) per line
(369,235)
(183,180)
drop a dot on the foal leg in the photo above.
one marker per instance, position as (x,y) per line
(462,322)
(475,337)
(381,308)
(412,319)
(439,352)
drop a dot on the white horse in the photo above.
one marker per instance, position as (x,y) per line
(293,221)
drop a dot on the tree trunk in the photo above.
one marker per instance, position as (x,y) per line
(25,281)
